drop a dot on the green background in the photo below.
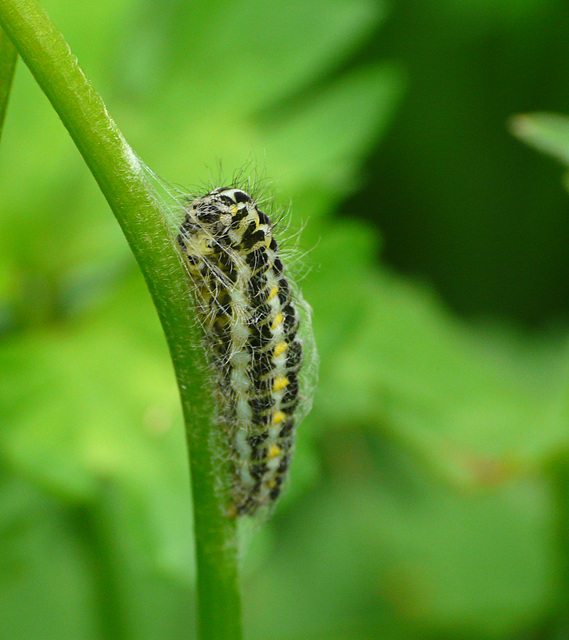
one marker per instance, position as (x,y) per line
(429,496)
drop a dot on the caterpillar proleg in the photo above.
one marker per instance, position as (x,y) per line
(251,313)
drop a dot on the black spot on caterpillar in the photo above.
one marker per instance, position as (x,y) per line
(251,319)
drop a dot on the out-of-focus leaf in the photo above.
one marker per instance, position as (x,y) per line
(398,554)
(321,144)
(241,56)
(154,599)
(46,579)
(90,402)
(478,403)
(85,571)
(338,288)
(544,131)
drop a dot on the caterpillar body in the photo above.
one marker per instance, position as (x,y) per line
(251,321)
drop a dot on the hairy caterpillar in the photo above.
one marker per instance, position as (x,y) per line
(251,319)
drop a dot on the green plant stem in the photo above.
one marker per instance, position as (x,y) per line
(8,57)
(135,203)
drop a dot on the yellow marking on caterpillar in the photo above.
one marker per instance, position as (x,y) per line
(274,451)
(280,383)
(278,320)
(234,209)
(272,293)
(278,416)
(280,348)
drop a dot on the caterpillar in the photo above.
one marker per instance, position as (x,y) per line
(251,320)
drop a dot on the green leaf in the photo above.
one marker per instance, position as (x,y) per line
(322,144)
(48,589)
(478,404)
(546,132)
(395,552)
(96,402)
(244,55)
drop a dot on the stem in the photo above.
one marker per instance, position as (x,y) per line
(8,57)
(134,201)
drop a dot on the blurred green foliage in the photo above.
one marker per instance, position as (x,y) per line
(424,499)
(452,186)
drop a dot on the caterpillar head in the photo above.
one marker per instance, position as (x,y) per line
(222,208)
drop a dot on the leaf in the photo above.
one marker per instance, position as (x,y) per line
(481,405)
(47,587)
(245,55)
(96,402)
(396,552)
(323,143)
(546,132)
